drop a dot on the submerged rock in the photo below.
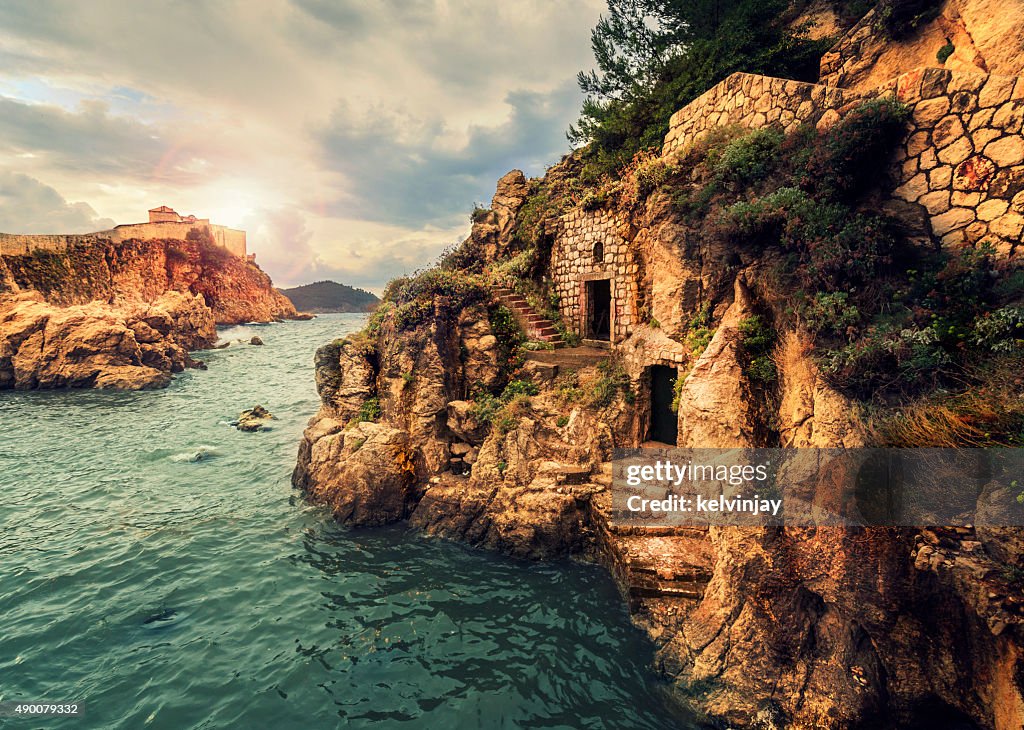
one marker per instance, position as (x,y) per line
(255,340)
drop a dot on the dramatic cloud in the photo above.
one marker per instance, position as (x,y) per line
(28,206)
(350,138)
(403,172)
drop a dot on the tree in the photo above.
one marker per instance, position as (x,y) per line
(655,56)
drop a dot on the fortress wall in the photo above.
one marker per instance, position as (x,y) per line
(752,101)
(12,244)
(150,231)
(573,264)
(16,244)
(962,159)
(231,239)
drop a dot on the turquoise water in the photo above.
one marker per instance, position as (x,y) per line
(156,565)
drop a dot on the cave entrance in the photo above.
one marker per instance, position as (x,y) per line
(599,309)
(664,425)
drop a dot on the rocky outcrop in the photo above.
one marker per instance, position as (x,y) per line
(714,408)
(801,627)
(254,419)
(130,347)
(985,36)
(236,290)
(492,231)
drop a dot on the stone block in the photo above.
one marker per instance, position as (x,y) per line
(957,152)
(947,131)
(973,173)
(1006,152)
(917,143)
(997,89)
(940,178)
(1009,225)
(992,209)
(927,113)
(965,199)
(936,202)
(951,220)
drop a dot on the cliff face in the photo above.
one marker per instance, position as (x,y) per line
(235,290)
(800,627)
(104,315)
(978,36)
(801,300)
(133,346)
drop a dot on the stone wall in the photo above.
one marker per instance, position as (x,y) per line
(963,158)
(573,263)
(16,244)
(21,244)
(752,101)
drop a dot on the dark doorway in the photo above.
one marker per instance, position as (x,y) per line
(599,309)
(664,424)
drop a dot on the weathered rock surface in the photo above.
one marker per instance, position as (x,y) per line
(986,35)
(236,290)
(799,627)
(369,474)
(132,346)
(254,419)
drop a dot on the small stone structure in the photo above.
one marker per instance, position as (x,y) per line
(589,252)
(164,223)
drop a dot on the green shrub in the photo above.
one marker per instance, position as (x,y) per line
(479,213)
(699,331)
(945,52)
(370,410)
(844,161)
(1000,331)
(748,159)
(611,381)
(757,339)
(594,199)
(830,312)
(650,175)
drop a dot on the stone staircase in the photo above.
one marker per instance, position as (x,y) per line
(536,327)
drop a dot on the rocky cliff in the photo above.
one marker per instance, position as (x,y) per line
(236,290)
(799,302)
(125,315)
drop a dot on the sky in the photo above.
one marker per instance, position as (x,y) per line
(350,140)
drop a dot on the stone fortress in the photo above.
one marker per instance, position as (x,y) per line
(164,223)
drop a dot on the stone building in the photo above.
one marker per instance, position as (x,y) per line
(164,223)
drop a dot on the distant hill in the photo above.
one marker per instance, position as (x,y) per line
(330,296)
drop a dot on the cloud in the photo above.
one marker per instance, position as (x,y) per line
(352,137)
(29,206)
(402,171)
(370,256)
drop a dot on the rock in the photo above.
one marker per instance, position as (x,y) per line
(369,474)
(97,344)
(255,340)
(303,317)
(254,419)
(463,424)
(1006,152)
(713,410)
